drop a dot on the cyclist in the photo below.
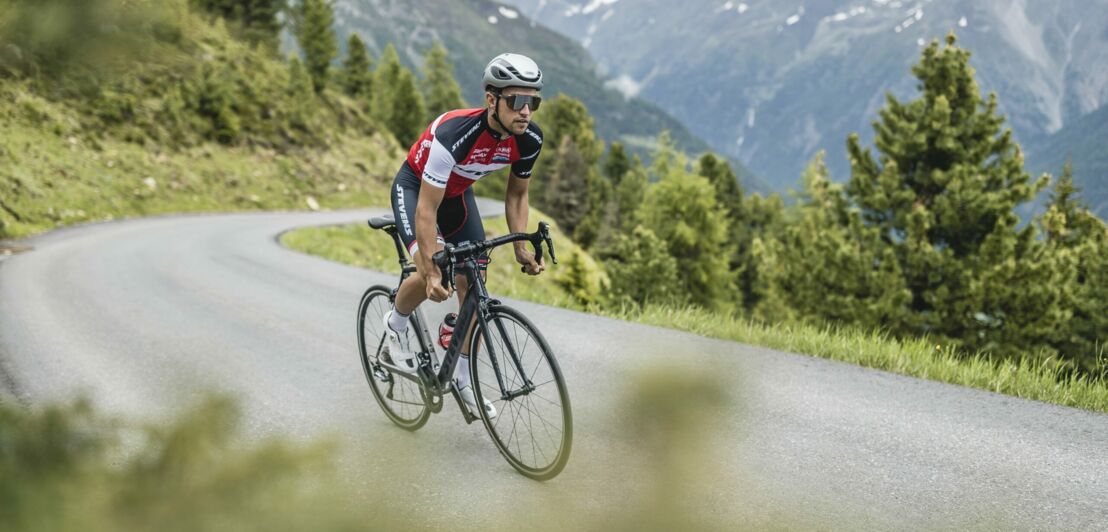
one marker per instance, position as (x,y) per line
(432,198)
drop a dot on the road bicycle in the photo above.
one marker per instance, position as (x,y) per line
(511,364)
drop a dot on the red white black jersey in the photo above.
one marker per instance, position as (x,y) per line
(459,148)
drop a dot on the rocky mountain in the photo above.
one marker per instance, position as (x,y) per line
(774,81)
(476,30)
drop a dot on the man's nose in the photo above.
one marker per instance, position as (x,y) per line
(526,111)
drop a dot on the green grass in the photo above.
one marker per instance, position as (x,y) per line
(1042,381)
(54,178)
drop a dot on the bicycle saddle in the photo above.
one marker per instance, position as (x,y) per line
(379,222)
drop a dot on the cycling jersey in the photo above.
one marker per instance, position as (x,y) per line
(459,148)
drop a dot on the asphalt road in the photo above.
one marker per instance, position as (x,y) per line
(145,315)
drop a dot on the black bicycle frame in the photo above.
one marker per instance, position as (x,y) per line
(477,301)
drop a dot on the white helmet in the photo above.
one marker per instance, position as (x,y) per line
(513,70)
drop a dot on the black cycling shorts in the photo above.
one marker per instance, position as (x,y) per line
(458,219)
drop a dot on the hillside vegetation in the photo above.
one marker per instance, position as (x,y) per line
(164,109)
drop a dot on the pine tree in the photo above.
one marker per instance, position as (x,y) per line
(215,102)
(357,77)
(299,95)
(1073,232)
(255,20)
(385,80)
(563,116)
(316,36)
(616,164)
(682,210)
(727,186)
(942,198)
(567,197)
(827,265)
(629,195)
(575,278)
(406,120)
(642,269)
(442,91)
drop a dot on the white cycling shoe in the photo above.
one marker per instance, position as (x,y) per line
(470,400)
(400,350)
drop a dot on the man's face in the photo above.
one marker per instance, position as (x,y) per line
(515,121)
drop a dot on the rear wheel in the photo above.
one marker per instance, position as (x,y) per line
(533,428)
(400,398)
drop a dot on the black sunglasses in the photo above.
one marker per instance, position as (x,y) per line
(517,101)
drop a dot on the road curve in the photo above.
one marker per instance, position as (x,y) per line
(144,314)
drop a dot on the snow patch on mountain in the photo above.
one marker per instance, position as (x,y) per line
(625,85)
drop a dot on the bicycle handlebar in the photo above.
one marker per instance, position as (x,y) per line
(449,255)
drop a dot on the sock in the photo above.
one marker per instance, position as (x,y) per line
(398,322)
(461,371)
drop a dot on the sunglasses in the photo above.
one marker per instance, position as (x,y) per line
(517,101)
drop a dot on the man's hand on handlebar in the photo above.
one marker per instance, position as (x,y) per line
(435,290)
(527,259)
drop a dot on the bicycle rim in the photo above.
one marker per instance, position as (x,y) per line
(533,431)
(401,399)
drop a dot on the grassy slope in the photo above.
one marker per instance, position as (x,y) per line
(66,158)
(51,180)
(918,358)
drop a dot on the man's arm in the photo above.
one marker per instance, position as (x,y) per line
(427,225)
(516,211)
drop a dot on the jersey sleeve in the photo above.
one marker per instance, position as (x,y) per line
(452,139)
(530,144)
(440,162)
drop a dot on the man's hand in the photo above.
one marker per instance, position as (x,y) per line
(527,259)
(435,290)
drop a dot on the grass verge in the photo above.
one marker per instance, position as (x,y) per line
(1044,381)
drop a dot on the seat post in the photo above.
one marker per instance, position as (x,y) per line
(400,251)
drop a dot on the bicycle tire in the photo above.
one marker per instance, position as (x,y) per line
(549,439)
(401,399)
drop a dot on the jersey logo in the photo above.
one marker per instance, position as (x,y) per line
(454,148)
(423,147)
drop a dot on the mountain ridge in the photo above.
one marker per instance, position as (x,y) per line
(475,30)
(821,71)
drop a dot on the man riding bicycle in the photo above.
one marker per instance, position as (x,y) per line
(433,202)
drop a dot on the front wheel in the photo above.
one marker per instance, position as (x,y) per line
(513,368)
(400,398)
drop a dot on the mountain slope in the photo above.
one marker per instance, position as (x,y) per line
(773,82)
(1084,143)
(476,30)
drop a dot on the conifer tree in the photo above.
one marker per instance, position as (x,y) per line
(574,277)
(255,20)
(727,186)
(942,198)
(681,209)
(406,120)
(567,197)
(385,80)
(357,78)
(828,265)
(442,91)
(299,94)
(642,270)
(1075,233)
(629,195)
(316,36)
(616,164)
(563,116)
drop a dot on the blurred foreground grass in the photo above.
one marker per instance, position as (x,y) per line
(69,467)
(1046,380)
